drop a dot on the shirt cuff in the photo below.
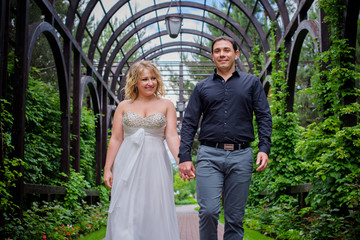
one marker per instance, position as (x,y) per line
(184,158)
(264,149)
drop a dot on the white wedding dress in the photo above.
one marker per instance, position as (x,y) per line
(142,198)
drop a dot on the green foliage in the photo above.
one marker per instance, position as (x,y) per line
(103,193)
(88,145)
(8,170)
(256,59)
(276,220)
(75,189)
(326,153)
(184,191)
(331,148)
(42,164)
(42,133)
(52,220)
(285,167)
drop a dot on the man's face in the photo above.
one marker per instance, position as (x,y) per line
(224,55)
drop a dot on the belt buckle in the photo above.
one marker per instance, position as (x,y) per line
(228,146)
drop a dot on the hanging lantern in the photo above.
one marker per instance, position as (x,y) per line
(173,24)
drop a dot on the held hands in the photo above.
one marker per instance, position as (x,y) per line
(263,159)
(108,178)
(186,170)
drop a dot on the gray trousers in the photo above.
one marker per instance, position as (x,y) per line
(220,171)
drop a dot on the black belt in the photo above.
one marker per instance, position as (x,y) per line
(226,146)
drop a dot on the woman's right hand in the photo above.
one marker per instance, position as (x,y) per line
(108,178)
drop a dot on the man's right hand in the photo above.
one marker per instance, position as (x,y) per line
(186,170)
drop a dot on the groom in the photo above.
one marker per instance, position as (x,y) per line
(226,100)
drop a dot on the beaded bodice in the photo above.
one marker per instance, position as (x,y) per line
(153,124)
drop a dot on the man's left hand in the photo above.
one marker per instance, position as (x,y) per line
(263,159)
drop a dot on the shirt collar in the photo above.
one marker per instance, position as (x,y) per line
(235,73)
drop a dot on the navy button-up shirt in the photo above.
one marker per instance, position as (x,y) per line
(227,109)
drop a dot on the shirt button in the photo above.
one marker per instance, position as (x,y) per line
(225,111)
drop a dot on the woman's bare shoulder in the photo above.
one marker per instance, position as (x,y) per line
(166,102)
(122,106)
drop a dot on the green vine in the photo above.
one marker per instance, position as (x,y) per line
(331,148)
(286,167)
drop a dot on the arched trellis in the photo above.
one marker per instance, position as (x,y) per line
(91,5)
(35,31)
(164,46)
(154,53)
(161,6)
(190,16)
(305,27)
(162,33)
(153,56)
(87,81)
(116,7)
(155,49)
(113,55)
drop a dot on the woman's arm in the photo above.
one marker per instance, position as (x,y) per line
(116,139)
(171,134)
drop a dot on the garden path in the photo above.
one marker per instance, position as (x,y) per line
(188,221)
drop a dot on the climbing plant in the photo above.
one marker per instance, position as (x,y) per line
(331,147)
(325,153)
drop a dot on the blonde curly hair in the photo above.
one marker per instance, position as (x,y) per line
(134,74)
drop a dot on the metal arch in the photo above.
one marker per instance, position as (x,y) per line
(267,84)
(170,44)
(283,12)
(303,6)
(144,41)
(144,24)
(272,16)
(132,19)
(4,36)
(34,32)
(84,19)
(102,24)
(256,24)
(305,27)
(166,52)
(47,8)
(70,15)
(240,65)
(155,55)
(113,55)
(141,43)
(89,81)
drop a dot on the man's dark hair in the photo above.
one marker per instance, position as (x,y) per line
(226,38)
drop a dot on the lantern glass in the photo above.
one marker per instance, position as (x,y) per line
(180,106)
(173,25)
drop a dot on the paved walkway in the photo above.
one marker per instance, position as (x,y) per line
(188,221)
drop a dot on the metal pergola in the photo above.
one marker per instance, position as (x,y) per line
(106,64)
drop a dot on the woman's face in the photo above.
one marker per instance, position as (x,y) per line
(147,83)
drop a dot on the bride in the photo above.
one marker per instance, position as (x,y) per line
(137,167)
